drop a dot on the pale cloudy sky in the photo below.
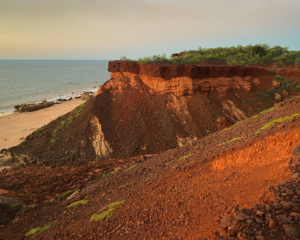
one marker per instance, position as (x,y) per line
(98,29)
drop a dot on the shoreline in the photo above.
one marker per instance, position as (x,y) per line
(17,126)
(12,111)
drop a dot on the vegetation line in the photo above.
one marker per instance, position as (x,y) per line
(239,55)
(279,120)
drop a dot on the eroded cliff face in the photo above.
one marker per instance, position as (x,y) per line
(183,79)
(147,109)
(157,107)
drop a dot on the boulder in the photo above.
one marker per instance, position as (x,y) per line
(277,97)
(275,84)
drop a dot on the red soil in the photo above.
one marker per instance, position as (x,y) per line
(179,199)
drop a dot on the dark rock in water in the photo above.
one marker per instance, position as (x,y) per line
(17,107)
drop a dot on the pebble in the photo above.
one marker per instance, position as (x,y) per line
(296,175)
(296,150)
(277,206)
(272,224)
(259,213)
(292,230)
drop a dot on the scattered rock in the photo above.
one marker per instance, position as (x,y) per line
(292,230)
(275,84)
(272,224)
(225,221)
(277,97)
(282,218)
(259,213)
(296,175)
(296,150)
(74,195)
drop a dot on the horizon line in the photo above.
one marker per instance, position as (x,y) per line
(56,59)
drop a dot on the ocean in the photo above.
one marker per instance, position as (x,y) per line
(32,81)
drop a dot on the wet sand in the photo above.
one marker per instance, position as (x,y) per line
(16,126)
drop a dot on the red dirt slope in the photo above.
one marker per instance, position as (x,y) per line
(173,195)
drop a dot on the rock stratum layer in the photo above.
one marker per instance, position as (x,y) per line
(183,79)
(146,109)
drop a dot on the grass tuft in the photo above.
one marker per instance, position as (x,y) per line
(37,230)
(77,203)
(26,194)
(15,206)
(39,130)
(186,156)
(279,120)
(130,168)
(78,109)
(53,141)
(66,122)
(66,194)
(105,175)
(232,140)
(108,213)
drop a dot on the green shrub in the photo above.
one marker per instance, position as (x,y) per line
(52,141)
(39,130)
(67,121)
(239,55)
(286,84)
(270,94)
(16,206)
(78,109)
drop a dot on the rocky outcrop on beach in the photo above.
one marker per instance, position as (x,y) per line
(33,107)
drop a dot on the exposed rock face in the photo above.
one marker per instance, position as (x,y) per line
(184,79)
(100,145)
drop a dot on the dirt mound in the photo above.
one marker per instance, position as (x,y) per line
(173,195)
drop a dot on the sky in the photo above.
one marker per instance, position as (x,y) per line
(97,29)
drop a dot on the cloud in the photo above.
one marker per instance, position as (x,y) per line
(107,29)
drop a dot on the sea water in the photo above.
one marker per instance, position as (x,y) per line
(32,81)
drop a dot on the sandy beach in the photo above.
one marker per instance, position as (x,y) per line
(15,127)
